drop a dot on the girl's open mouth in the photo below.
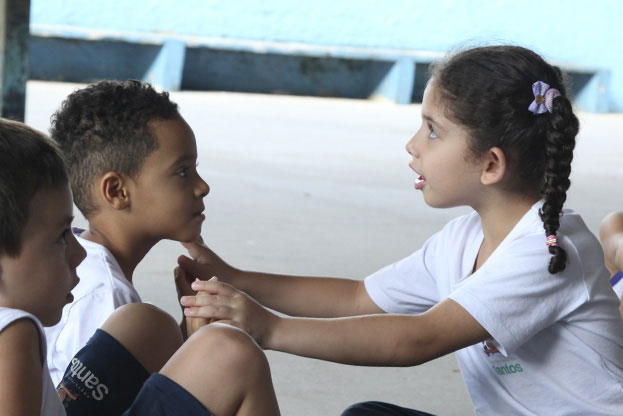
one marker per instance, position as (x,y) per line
(420,182)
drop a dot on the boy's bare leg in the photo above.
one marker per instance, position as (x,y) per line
(225,370)
(151,335)
(220,365)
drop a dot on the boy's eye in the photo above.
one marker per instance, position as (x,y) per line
(182,172)
(63,236)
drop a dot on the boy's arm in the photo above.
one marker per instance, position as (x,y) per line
(611,236)
(20,369)
(319,297)
(373,340)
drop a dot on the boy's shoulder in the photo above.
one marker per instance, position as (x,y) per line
(10,315)
(22,354)
(20,331)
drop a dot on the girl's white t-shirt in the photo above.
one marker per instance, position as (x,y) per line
(557,339)
(50,402)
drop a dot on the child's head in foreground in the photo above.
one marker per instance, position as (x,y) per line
(129,151)
(38,253)
(508,104)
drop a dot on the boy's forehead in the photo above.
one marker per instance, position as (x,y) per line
(175,137)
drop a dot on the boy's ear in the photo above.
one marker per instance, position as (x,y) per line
(113,190)
(494,166)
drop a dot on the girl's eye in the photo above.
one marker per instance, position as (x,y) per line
(432,134)
(182,172)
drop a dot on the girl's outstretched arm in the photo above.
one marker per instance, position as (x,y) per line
(611,236)
(320,297)
(373,340)
(20,367)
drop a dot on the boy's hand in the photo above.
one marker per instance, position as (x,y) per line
(182,284)
(219,301)
(206,263)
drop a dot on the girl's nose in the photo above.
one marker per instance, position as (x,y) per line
(411,146)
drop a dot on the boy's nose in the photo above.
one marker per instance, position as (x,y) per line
(203,189)
(78,253)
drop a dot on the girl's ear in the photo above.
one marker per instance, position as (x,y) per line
(494,166)
(114,191)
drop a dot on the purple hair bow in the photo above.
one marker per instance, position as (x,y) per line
(543,97)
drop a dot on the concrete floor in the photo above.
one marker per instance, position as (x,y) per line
(320,186)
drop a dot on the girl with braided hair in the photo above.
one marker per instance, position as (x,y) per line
(517,288)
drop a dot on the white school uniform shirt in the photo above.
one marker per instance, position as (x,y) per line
(102,289)
(557,339)
(50,401)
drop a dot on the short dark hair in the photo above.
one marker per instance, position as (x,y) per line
(488,91)
(29,162)
(104,128)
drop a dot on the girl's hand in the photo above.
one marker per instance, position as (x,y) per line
(206,263)
(219,301)
(182,285)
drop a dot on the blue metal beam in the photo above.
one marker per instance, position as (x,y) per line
(14,35)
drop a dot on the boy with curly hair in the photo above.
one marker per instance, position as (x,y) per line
(131,161)
(135,364)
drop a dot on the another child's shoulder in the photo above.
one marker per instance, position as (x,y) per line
(10,315)
(19,330)
(613,222)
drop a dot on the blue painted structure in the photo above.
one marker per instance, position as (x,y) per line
(346,48)
(14,18)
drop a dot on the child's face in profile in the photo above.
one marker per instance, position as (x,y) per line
(447,175)
(168,192)
(40,278)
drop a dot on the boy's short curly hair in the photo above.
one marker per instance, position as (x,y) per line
(104,128)
(29,162)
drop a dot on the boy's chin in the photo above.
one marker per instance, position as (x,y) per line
(188,237)
(50,321)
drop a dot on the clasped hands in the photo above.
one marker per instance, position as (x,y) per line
(207,301)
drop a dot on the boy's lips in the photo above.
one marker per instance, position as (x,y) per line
(70,296)
(199,214)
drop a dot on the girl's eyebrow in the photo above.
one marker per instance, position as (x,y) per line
(428,118)
(432,121)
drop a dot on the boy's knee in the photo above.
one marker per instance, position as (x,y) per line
(143,315)
(225,337)
(149,333)
(230,344)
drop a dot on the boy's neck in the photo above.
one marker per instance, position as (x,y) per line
(128,249)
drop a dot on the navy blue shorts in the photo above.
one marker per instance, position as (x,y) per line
(381,409)
(161,396)
(104,379)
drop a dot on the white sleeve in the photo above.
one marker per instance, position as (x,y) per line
(406,286)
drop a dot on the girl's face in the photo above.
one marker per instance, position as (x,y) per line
(447,174)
